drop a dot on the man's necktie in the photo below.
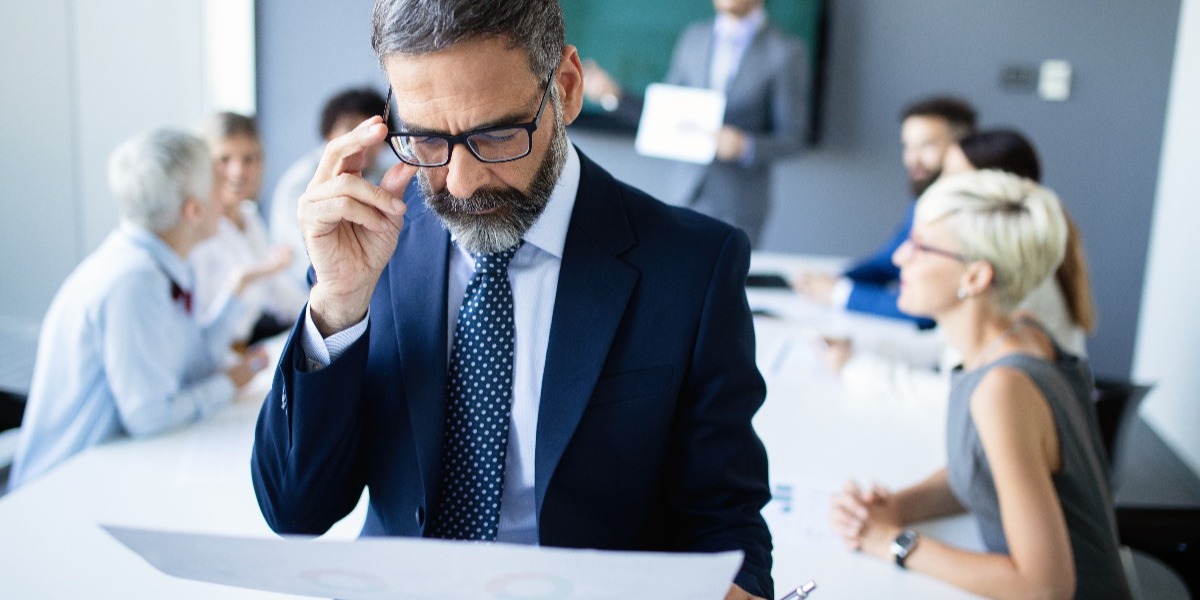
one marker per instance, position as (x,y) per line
(479,393)
(724,60)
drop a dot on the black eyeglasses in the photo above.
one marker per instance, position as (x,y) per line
(919,247)
(497,144)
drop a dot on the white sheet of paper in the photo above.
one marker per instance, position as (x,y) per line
(680,123)
(798,512)
(421,569)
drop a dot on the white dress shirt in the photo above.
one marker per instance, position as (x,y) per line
(731,37)
(216,259)
(533,275)
(119,354)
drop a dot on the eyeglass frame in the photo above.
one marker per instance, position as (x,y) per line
(462,138)
(921,247)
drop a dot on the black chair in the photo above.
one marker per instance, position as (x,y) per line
(12,407)
(1169,534)
(1172,535)
(1116,403)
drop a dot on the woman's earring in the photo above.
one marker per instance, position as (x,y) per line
(962,293)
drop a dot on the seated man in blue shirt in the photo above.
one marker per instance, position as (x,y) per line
(120,351)
(927,128)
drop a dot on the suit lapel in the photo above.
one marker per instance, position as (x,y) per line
(418,280)
(594,287)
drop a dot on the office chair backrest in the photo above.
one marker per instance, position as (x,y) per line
(1116,403)
(1170,534)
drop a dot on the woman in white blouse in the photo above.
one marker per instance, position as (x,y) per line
(239,261)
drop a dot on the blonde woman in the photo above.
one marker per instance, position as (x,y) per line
(239,262)
(1023,449)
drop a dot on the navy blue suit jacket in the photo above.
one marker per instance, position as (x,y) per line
(875,279)
(644,437)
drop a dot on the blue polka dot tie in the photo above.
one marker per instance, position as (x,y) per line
(479,392)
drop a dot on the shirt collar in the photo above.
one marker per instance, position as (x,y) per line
(549,232)
(740,29)
(175,267)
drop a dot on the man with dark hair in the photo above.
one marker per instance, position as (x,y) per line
(342,113)
(525,349)
(927,128)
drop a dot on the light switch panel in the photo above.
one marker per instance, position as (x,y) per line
(1054,84)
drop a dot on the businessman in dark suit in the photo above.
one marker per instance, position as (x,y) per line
(624,377)
(764,74)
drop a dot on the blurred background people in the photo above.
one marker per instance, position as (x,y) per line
(1062,303)
(341,113)
(239,260)
(121,350)
(928,128)
(1023,445)
(764,74)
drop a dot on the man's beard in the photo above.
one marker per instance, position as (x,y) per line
(515,210)
(918,186)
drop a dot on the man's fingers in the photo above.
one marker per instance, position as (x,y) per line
(349,198)
(325,214)
(345,153)
(397,178)
(354,187)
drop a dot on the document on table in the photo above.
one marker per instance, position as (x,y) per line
(680,123)
(430,569)
(799,512)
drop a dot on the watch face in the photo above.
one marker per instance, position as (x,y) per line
(903,544)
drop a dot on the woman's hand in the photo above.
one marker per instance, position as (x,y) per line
(817,286)
(836,352)
(867,520)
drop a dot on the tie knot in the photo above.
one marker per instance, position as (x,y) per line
(494,262)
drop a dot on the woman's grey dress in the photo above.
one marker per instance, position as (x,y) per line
(1082,484)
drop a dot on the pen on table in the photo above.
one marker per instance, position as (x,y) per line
(801,592)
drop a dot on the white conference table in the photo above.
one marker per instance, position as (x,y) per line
(197,479)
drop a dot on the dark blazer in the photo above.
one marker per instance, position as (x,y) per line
(644,437)
(875,279)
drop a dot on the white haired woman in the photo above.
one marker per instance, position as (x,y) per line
(1023,449)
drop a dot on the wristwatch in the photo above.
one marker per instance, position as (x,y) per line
(903,545)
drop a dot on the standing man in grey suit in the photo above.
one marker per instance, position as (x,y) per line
(764,73)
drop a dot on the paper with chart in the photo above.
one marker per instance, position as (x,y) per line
(422,569)
(680,123)
(798,512)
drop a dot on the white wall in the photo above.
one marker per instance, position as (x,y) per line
(80,76)
(1168,342)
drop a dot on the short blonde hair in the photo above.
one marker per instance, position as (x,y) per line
(1013,223)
